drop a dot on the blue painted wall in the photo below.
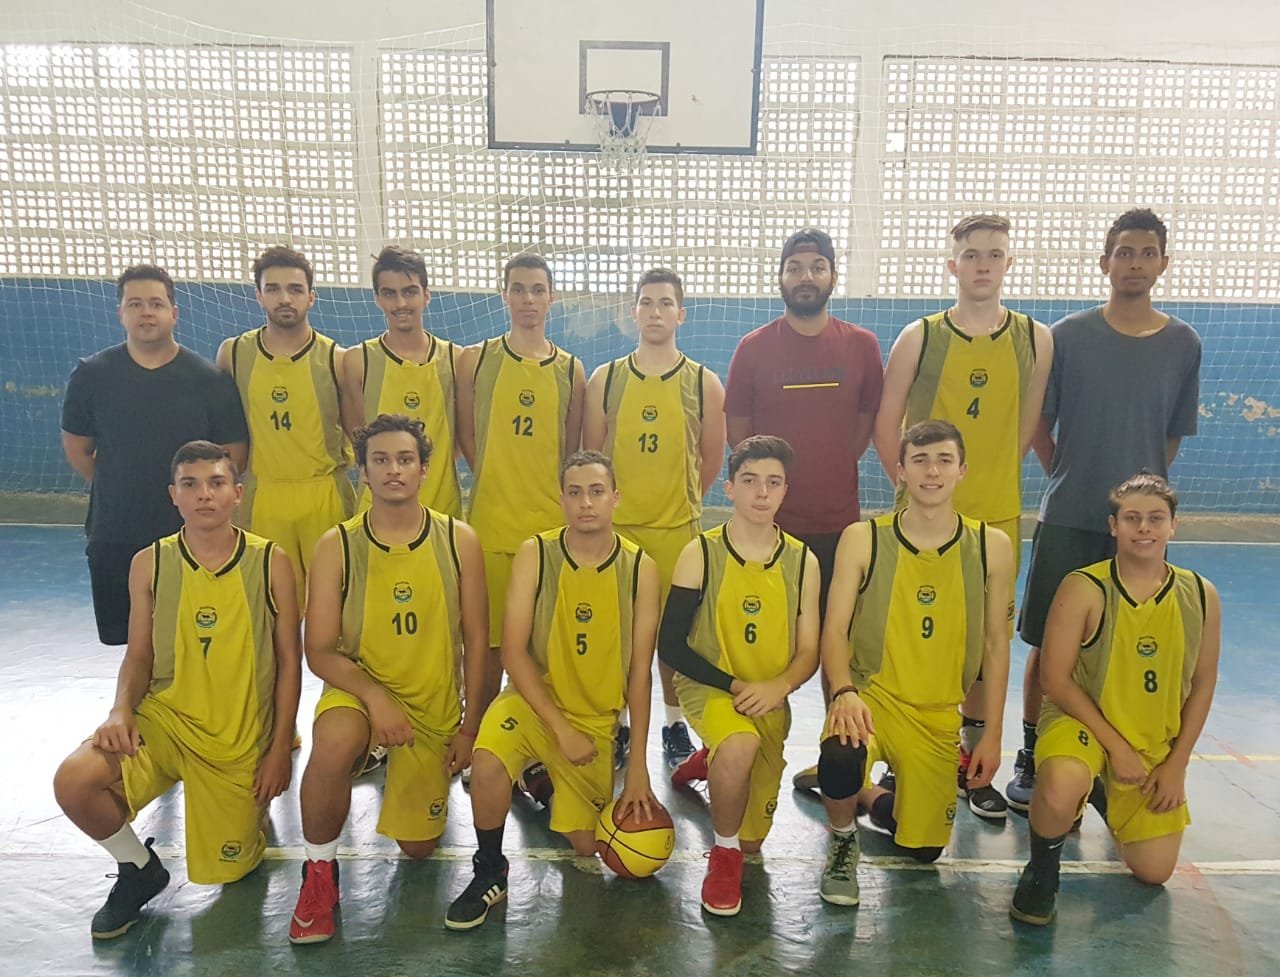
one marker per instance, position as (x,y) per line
(45,325)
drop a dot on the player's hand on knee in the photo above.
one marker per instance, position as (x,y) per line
(849,720)
(576,745)
(1126,765)
(388,722)
(1166,787)
(274,773)
(758,698)
(119,734)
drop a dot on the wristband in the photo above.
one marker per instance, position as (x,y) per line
(841,691)
(466,733)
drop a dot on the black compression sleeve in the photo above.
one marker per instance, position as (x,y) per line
(673,641)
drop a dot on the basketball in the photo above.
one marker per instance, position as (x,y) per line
(635,848)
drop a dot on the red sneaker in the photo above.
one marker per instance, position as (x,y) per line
(693,767)
(313,916)
(722,888)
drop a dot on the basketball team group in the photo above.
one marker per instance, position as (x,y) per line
(227,541)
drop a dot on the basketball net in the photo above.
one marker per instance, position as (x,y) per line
(622,120)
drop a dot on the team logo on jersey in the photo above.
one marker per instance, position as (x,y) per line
(926,595)
(206,617)
(649,413)
(279,394)
(402,592)
(951,814)
(1083,737)
(230,851)
(978,378)
(770,807)
(526,398)
(1147,646)
(412,401)
(582,613)
(751,604)
(437,807)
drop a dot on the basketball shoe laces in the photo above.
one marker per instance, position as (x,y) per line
(319,894)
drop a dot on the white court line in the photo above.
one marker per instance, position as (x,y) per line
(977,866)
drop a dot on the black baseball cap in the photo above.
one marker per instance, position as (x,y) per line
(808,237)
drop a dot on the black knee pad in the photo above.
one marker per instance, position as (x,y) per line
(924,856)
(841,767)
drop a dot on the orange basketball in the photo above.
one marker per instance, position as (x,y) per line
(635,848)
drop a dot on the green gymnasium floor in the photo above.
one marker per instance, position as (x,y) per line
(1216,916)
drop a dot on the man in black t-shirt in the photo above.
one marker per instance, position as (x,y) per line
(127,410)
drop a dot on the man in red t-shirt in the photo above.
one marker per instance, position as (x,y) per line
(815,381)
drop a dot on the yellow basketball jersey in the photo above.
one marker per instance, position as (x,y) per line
(520,405)
(582,623)
(918,621)
(425,391)
(655,423)
(1137,666)
(291,405)
(215,662)
(401,616)
(746,622)
(979,384)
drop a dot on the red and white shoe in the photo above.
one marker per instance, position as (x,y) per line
(691,768)
(722,888)
(313,915)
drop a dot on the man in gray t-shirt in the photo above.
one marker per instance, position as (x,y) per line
(1123,392)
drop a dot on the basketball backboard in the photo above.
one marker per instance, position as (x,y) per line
(701,57)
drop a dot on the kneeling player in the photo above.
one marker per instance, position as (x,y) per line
(207,695)
(1129,664)
(741,632)
(396,594)
(919,604)
(577,637)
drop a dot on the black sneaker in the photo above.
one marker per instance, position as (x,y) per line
(134,888)
(536,783)
(1023,781)
(986,802)
(377,757)
(1034,900)
(676,744)
(888,780)
(621,747)
(488,887)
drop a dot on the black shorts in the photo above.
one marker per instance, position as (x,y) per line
(1055,552)
(823,546)
(109,581)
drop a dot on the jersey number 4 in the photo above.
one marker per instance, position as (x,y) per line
(973,410)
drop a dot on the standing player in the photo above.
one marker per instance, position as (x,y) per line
(919,606)
(983,368)
(741,631)
(577,641)
(519,417)
(660,417)
(207,695)
(287,374)
(1129,667)
(814,381)
(397,594)
(406,371)
(1123,393)
(127,410)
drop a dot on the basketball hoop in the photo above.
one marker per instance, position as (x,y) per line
(622,119)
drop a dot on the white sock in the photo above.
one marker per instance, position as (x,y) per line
(673,713)
(326,852)
(844,832)
(729,842)
(970,736)
(124,846)
(624,717)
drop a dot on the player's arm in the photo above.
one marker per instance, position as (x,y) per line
(758,698)
(517,628)
(1073,618)
(636,790)
(276,769)
(465,391)
(82,454)
(677,622)
(899,375)
(1032,405)
(595,422)
(119,734)
(1166,785)
(739,396)
(1042,442)
(473,599)
(848,717)
(223,358)
(997,614)
(351,389)
(1171,446)
(712,439)
(573,418)
(348,423)
(388,724)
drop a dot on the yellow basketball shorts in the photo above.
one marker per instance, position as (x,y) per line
(497,575)
(921,746)
(711,714)
(1128,815)
(663,546)
(514,733)
(294,515)
(415,797)
(224,838)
